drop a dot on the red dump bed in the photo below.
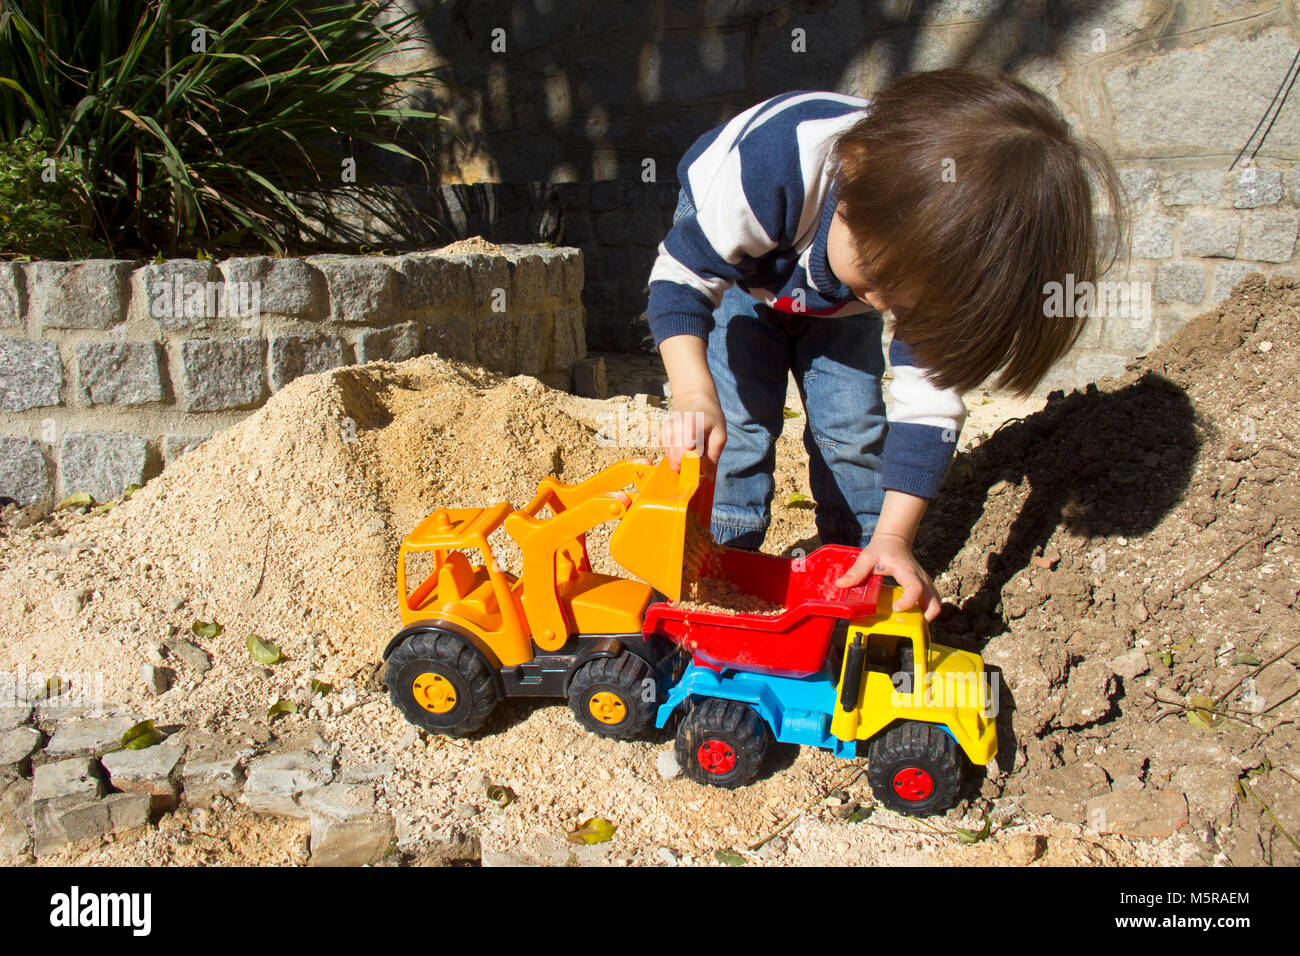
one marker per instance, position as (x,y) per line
(790,644)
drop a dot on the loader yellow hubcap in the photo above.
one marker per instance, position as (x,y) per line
(434,693)
(607,707)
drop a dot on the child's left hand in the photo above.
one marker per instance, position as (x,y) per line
(891,554)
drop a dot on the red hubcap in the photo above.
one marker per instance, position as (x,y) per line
(913,783)
(716,756)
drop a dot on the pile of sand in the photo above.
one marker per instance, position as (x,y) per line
(287,524)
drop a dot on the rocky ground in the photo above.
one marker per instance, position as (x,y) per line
(1124,554)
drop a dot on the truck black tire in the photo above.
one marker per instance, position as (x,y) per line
(914,768)
(439,682)
(721,743)
(615,696)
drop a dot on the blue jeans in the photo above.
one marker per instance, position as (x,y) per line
(837,365)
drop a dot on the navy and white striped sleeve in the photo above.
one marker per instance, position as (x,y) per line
(924,424)
(747,184)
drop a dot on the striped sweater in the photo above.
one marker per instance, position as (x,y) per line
(764,198)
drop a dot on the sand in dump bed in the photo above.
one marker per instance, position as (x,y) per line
(720,596)
(1118,554)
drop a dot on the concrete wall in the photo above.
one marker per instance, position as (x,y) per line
(109,370)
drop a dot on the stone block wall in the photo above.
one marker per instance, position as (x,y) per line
(110,369)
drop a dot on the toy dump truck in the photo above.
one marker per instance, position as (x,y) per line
(832,668)
(835,668)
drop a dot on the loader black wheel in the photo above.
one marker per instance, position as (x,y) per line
(914,768)
(614,696)
(439,682)
(721,743)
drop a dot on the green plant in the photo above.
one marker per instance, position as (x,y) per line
(207,122)
(44,202)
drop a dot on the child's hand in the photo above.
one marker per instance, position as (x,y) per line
(891,554)
(693,425)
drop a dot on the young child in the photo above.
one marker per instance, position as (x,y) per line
(950,199)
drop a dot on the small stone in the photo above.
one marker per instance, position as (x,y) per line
(103,464)
(465,811)
(1270,236)
(1256,187)
(1147,814)
(191,654)
(845,809)
(1265,346)
(1131,665)
(15,811)
(217,374)
(24,473)
(152,771)
(68,604)
(56,823)
(668,856)
(277,782)
(1040,562)
(340,801)
(352,841)
(62,779)
(122,373)
(155,679)
(15,714)
(30,375)
(16,748)
(667,765)
(296,355)
(211,772)
(88,735)
(127,810)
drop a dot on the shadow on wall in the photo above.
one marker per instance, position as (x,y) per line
(588,90)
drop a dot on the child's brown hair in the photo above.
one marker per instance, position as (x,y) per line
(969,189)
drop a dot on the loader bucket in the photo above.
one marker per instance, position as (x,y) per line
(664,537)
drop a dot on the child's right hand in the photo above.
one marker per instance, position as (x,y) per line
(693,425)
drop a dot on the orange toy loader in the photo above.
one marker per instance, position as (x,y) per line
(473,634)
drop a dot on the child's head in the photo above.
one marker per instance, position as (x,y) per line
(964,195)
